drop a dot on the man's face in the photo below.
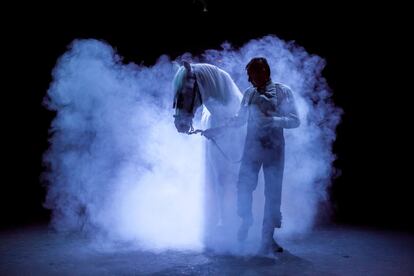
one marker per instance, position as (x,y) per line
(258,77)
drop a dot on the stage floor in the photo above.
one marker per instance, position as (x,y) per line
(329,251)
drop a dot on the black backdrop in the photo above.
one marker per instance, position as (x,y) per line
(364,48)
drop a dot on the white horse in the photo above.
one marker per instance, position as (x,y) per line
(205,85)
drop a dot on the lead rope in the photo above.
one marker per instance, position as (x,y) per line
(195,131)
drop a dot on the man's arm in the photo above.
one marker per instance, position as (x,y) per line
(288,114)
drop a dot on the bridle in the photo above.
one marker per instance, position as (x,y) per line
(178,103)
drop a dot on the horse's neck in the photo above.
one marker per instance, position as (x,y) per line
(220,107)
(219,110)
(218,91)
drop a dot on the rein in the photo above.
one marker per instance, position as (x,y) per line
(195,131)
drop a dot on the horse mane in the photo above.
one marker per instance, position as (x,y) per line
(217,82)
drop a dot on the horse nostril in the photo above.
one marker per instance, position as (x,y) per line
(182,124)
(181,127)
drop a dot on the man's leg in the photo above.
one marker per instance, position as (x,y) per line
(247,183)
(273,173)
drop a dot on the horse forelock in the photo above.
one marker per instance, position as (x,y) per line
(178,80)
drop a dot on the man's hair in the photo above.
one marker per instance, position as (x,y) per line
(257,64)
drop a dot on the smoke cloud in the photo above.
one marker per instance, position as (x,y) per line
(117,168)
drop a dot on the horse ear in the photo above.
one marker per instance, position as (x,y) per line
(187,65)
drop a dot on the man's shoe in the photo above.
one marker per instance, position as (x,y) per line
(270,248)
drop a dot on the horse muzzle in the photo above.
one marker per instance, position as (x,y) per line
(182,124)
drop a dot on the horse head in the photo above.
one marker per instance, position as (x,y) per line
(187,98)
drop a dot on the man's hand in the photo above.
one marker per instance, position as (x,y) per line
(212,132)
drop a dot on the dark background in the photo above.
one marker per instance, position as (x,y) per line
(365,52)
